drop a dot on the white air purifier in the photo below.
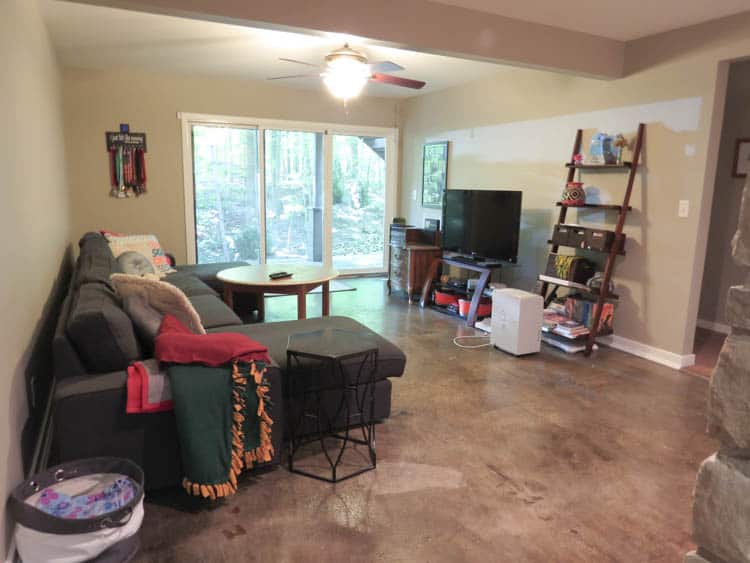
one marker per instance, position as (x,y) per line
(516,321)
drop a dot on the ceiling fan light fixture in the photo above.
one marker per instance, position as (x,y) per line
(345,78)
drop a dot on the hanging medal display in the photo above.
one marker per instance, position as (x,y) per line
(127,162)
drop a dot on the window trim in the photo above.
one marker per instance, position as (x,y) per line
(391,135)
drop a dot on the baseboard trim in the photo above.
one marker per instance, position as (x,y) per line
(716,327)
(652,353)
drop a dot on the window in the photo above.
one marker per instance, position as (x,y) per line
(263,191)
(227,210)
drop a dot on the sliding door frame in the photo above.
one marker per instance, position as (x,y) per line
(390,134)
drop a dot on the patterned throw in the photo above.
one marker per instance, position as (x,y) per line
(219,392)
(81,507)
(148,388)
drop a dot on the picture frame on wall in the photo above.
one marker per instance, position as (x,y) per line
(434,173)
(741,164)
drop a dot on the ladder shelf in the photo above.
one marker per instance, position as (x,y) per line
(603,295)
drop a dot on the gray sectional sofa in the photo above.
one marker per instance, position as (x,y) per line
(95,341)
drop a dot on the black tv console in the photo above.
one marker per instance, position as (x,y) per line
(484,269)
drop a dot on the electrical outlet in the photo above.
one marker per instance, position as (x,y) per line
(683,209)
(689,150)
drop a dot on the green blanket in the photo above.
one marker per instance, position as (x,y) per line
(222,424)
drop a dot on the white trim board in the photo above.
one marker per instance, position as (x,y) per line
(652,353)
(716,327)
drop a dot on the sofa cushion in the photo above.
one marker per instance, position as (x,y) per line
(95,262)
(101,332)
(90,420)
(189,284)
(391,360)
(207,272)
(213,312)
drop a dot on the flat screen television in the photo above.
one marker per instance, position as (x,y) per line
(482,224)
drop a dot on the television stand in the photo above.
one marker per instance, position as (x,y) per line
(484,269)
(467,259)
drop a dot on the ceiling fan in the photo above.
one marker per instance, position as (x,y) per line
(346,71)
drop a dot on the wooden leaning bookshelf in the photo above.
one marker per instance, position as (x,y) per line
(617,247)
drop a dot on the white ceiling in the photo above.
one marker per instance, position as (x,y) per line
(94,37)
(617,19)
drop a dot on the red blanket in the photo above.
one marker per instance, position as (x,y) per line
(148,386)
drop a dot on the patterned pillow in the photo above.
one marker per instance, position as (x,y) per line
(148,245)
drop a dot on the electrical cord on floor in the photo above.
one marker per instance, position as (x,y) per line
(457,342)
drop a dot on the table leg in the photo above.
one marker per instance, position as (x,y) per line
(326,299)
(301,303)
(471,318)
(260,305)
(228,296)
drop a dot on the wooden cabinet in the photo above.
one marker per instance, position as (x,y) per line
(412,251)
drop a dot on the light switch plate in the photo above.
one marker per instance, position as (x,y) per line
(414,195)
(683,209)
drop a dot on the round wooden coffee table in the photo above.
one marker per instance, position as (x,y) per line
(254,279)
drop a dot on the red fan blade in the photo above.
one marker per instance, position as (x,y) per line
(292,76)
(397,80)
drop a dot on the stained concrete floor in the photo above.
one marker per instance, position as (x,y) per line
(486,457)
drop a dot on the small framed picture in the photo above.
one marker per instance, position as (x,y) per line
(434,173)
(741,157)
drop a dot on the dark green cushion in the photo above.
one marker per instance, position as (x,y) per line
(391,360)
(101,332)
(213,312)
(189,284)
(95,262)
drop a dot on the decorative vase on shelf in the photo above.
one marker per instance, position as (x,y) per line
(573,194)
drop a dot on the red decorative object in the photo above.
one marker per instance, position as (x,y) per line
(574,194)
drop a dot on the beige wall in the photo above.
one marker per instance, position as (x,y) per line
(721,271)
(34,222)
(418,25)
(515,130)
(96,102)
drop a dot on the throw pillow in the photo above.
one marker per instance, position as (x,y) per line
(162,296)
(146,319)
(132,262)
(148,245)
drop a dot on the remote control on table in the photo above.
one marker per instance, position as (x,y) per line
(279,275)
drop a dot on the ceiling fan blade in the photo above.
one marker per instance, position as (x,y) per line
(292,76)
(298,62)
(397,81)
(385,66)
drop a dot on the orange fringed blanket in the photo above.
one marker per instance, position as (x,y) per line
(219,393)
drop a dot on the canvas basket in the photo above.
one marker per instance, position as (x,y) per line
(110,536)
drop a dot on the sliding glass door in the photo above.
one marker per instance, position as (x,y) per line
(294,196)
(263,191)
(227,203)
(359,197)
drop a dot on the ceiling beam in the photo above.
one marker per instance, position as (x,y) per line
(418,25)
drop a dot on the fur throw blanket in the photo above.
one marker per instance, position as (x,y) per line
(161,296)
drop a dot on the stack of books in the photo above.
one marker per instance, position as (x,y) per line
(552,318)
(571,329)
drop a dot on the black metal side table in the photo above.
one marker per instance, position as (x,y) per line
(331,391)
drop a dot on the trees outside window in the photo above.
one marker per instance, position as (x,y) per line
(229,212)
